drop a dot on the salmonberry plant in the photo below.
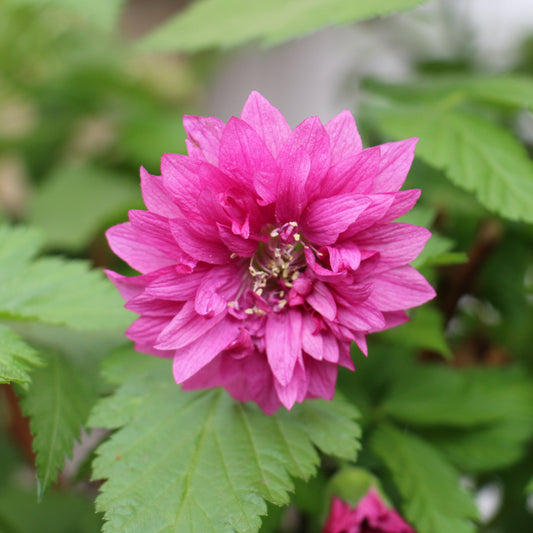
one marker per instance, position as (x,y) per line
(313,327)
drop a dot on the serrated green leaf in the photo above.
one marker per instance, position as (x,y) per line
(433,499)
(58,404)
(81,199)
(200,461)
(434,395)
(424,331)
(16,358)
(53,290)
(474,152)
(226,23)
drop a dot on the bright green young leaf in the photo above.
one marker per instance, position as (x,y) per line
(53,290)
(16,358)
(434,395)
(474,153)
(80,199)
(200,461)
(434,502)
(424,331)
(226,23)
(58,404)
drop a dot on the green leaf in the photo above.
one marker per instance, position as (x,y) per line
(485,449)
(53,290)
(16,358)
(102,13)
(509,90)
(81,199)
(529,488)
(226,23)
(425,330)
(200,461)
(474,153)
(58,404)
(434,395)
(433,499)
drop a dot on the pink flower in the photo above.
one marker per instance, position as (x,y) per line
(370,515)
(266,251)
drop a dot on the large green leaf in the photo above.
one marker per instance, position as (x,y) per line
(16,358)
(434,395)
(53,290)
(433,499)
(225,23)
(73,202)
(58,404)
(200,461)
(474,152)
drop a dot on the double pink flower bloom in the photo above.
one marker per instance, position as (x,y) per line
(266,251)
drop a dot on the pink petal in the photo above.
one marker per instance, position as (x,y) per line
(173,285)
(310,136)
(295,390)
(243,154)
(235,243)
(267,121)
(201,245)
(186,327)
(156,197)
(198,354)
(322,379)
(397,243)
(403,202)
(322,301)
(291,198)
(312,342)
(355,174)
(218,286)
(144,332)
(141,248)
(283,338)
(373,214)
(185,179)
(326,218)
(344,137)
(130,286)
(401,288)
(204,135)
(344,256)
(396,159)
(362,317)
(331,348)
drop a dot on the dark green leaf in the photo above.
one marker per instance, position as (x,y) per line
(433,499)
(199,461)
(58,404)
(16,358)
(434,395)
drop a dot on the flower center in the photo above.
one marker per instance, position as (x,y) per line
(277,263)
